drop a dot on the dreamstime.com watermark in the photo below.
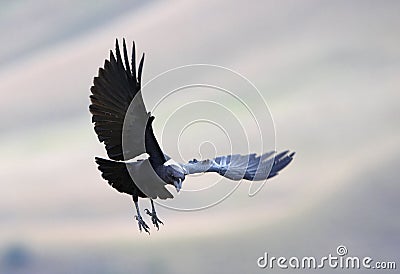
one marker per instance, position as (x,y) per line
(340,260)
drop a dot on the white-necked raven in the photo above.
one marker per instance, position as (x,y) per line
(123,124)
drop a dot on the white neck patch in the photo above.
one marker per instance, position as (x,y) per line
(174,165)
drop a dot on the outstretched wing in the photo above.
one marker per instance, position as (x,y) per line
(236,167)
(116,97)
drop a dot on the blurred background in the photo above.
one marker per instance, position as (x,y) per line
(329,71)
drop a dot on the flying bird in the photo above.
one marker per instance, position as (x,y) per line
(123,124)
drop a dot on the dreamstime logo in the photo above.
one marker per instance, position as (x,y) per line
(203,111)
(341,250)
(332,261)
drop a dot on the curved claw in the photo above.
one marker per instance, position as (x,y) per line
(154,219)
(142,224)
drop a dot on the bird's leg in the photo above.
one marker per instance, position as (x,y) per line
(153,215)
(138,217)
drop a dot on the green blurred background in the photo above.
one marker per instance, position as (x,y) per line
(329,71)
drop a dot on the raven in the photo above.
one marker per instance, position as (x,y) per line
(123,124)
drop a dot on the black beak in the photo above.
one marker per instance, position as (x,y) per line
(178,184)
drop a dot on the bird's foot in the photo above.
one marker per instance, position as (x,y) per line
(142,224)
(154,218)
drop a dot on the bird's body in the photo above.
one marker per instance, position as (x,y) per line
(123,124)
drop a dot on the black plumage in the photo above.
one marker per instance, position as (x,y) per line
(123,124)
(113,91)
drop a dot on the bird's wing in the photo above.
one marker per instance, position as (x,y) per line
(236,167)
(118,110)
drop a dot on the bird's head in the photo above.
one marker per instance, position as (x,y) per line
(175,176)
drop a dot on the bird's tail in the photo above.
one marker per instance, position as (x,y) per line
(108,165)
(114,172)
